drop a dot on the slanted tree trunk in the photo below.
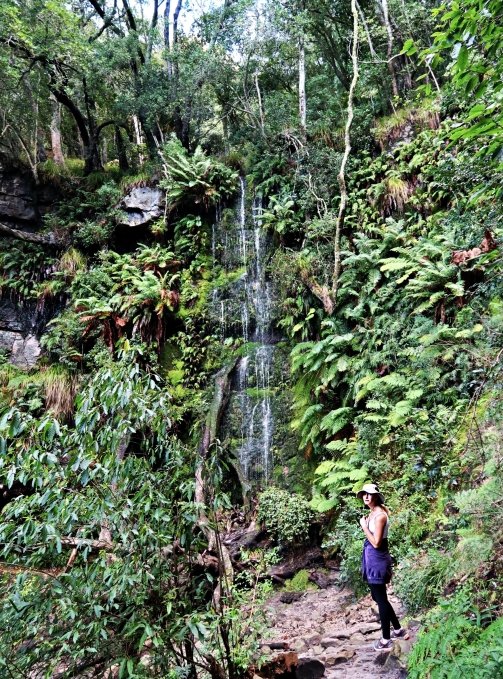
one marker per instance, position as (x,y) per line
(260,105)
(55,127)
(328,294)
(367,32)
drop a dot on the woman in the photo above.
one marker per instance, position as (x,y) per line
(376,564)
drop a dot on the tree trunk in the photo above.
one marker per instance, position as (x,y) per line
(167,9)
(387,25)
(121,150)
(367,32)
(341,178)
(220,398)
(92,156)
(176,14)
(302,86)
(89,133)
(56,142)
(153,26)
(260,105)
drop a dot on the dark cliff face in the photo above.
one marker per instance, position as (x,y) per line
(18,198)
(22,205)
(22,201)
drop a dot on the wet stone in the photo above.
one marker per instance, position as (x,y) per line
(340,657)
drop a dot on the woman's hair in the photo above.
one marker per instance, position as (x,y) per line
(377,501)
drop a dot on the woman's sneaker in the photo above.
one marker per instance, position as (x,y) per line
(401,633)
(383,645)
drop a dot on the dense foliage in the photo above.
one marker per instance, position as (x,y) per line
(370,137)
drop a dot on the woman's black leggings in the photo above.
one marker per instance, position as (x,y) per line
(386,612)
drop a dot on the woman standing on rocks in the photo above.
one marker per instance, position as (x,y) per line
(376,564)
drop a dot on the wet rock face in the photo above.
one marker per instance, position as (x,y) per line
(23,203)
(141,206)
(18,203)
(10,318)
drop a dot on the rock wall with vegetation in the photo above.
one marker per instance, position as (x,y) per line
(370,135)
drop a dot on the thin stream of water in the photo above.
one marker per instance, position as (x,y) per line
(244,310)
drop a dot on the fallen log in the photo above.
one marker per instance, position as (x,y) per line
(49,239)
(296,562)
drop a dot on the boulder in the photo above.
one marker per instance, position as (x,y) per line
(309,668)
(24,351)
(141,206)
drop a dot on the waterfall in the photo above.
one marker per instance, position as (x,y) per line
(242,309)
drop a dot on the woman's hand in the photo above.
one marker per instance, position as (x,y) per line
(363,522)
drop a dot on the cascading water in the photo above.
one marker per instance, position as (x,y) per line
(242,309)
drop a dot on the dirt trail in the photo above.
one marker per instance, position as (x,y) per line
(329,626)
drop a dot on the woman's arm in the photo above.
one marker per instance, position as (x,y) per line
(380,522)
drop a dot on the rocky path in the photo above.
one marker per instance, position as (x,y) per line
(327,625)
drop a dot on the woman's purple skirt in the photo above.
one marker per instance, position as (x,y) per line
(376,563)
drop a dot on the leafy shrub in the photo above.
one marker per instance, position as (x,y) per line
(299,582)
(458,640)
(351,567)
(24,270)
(421,579)
(345,541)
(92,235)
(286,515)
(194,179)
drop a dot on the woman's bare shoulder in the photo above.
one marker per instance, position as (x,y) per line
(381,517)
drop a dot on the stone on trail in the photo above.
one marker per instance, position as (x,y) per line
(309,668)
(382,656)
(340,657)
(321,579)
(329,642)
(282,665)
(367,628)
(318,629)
(290,597)
(313,639)
(299,645)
